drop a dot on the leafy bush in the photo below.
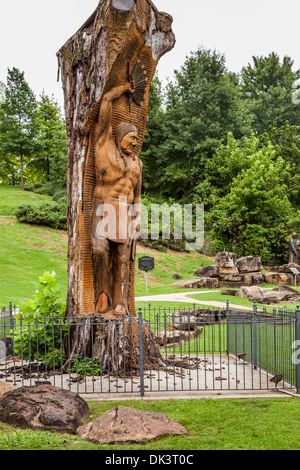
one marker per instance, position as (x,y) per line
(85,366)
(39,328)
(54,216)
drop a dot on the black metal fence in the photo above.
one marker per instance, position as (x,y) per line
(162,350)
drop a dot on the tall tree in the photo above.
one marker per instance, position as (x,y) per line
(51,158)
(154,136)
(18,123)
(267,87)
(203,104)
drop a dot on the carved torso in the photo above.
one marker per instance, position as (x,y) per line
(111,182)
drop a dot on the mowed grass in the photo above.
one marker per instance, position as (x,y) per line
(265,424)
(12,197)
(27,251)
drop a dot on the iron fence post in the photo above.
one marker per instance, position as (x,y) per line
(11,317)
(227,326)
(141,353)
(297,339)
(254,335)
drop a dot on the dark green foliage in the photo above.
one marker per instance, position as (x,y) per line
(40,327)
(86,366)
(267,87)
(18,127)
(49,215)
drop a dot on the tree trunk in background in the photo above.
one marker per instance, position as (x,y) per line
(22,173)
(119,35)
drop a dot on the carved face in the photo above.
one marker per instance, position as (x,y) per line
(129,143)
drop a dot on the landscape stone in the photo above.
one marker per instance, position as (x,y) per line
(226,260)
(5,388)
(208,271)
(276,295)
(286,268)
(280,279)
(125,424)
(44,408)
(205,282)
(228,292)
(252,293)
(253,279)
(249,264)
(233,276)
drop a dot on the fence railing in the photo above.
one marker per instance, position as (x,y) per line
(161,350)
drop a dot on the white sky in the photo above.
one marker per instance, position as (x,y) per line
(32,31)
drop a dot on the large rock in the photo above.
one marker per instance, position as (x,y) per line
(44,408)
(249,264)
(205,282)
(5,388)
(253,279)
(124,424)
(280,279)
(286,268)
(208,271)
(226,260)
(251,293)
(277,295)
(233,276)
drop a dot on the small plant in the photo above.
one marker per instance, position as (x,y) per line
(85,366)
(39,328)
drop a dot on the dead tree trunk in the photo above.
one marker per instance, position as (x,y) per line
(120,37)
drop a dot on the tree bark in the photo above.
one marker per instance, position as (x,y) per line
(22,172)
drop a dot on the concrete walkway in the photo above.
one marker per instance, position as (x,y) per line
(183,298)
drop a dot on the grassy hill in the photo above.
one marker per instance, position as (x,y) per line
(27,251)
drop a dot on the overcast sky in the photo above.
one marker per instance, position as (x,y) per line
(32,31)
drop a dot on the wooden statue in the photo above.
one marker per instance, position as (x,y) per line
(294,249)
(107,67)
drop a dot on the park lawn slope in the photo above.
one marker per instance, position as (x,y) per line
(27,251)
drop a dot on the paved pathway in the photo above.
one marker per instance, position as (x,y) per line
(182,297)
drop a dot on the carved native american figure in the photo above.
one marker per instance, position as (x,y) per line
(117,192)
(107,68)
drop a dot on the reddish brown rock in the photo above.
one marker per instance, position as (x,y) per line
(125,424)
(5,388)
(44,408)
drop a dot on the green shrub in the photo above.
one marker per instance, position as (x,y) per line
(49,215)
(39,327)
(85,366)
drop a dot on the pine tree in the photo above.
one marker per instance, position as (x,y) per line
(18,123)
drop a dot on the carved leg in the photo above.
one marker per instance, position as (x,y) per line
(101,257)
(121,272)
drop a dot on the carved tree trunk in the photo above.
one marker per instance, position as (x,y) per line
(98,57)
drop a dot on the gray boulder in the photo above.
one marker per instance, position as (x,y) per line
(249,264)
(208,271)
(226,260)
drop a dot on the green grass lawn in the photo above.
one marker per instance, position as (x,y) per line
(265,424)
(26,252)
(234,301)
(11,197)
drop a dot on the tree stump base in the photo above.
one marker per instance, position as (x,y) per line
(115,341)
